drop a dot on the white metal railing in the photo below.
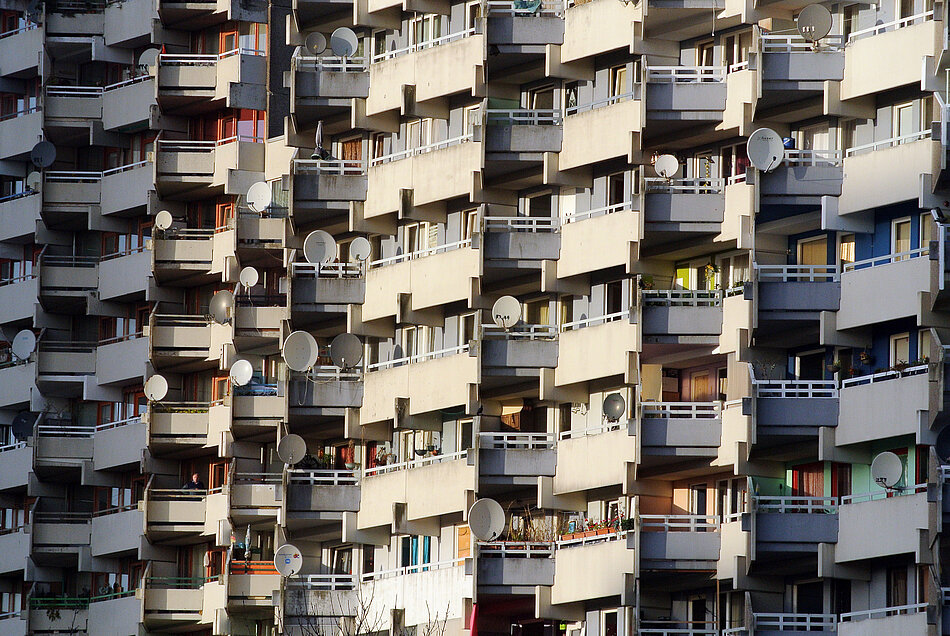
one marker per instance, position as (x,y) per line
(13,446)
(795,388)
(777,43)
(339,167)
(798,273)
(516,441)
(813,157)
(425,44)
(257,479)
(678,631)
(735,631)
(507,7)
(795,504)
(202,59)
(600,103)
(28,27)
(735,178)
(681,297)
(680,523)
(794,622)
(574,217)
(891,26)
(682,410)
(412,569)
(73,91)
(685,74)
(415,463)
(887,259)
(326,270)
(323,373)
(689,185)
(135,419)
(523,117)
(323,582)
(945,594)
(419,357)
(516,549)
(51,430)
(612,535)
(889,142)
(428,251)
(521,223)
(606,427)
(521,332)
(864,497)
(321,477)
(330,63)
(14,613)
(739,66)
(881,612)
(883,376)
(421,150)
(595,320)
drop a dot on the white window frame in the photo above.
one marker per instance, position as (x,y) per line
(892,347)
(895,116)
(894,224)
(923,334)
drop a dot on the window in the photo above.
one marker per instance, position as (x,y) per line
(566,306)
(704,54)
(840,480)
(424,29)
(418,133)
(849,20)
(616,193)
(253,38)
(926,231)
(414,550)
(900,238)
(463,435)
(846,130)
(541,98)
(722,383)
(903,122)
(463,542)
(613,297)
(570,96)
(379,45)
(228,40)
(473,11)
(539,204)
(378,145)
(896,587)
(618,81)
(342,559)
(846,248)
(469,223)
(471,117)
(731,495)
(609,623)
(813,251)
(466,328)
(536,312)
(815,137)
(899,348)
(697,499)
(923,344)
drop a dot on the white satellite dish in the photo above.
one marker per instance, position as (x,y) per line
(343,42)
(291,449)
(887,469)
(34,181)
(249,277)
(506,312)
(163,220)
(24,343)
(287,560)
(486,518)
(319,247)
(360,248)
(814,22)
(241,372)
(221,306)
(259,196)
(156,388)
(300,351)
(765,149)
(614,407)
(148,57)
(316,43)
(667,166)
(346,350)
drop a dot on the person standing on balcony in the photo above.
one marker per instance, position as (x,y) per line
(194,484)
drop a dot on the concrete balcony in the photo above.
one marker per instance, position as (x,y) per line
(59,537)
(671,431)
(70,196)
(904,276)
(899,160)
(66,282)
(780,623)
(129,23)
(325,87)
(515,458)
(18,134)
(611,443)
(902,619)
(209,12)
(58,446)
(18,380)
(412,590)
(796,292)
(321,190)
(884,405)
(320,497)
(233,79)
(119,444)
(615,25)
(227,165)
(512,135)
(179,602)
(14,548)
(520,29)
(307,595)
(18,298)
(517,352)
(592,567)
(20,52)
(901,524)
(595,348)
(129,102)
(681,312)
(14,623)
(66,616)
(397,495)
(71,109)
(683,205)
(175,425)
(803,178)
(677,542)
(606,129)
(255,498)
(518,242)
(433,71)
(331,390)
(514,567)
(118,530)
(177,514)
(791,527)
(329,288)
(19,214)
(256,409)
(121,361)
(793,408)
(117,615)
(255,232)
(124,275)
(16,462)
(792,63)
(188,256)
(253,584)
(615,229)
(685,93)
(185,341)
(127,188)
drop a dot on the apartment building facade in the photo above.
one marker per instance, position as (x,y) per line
(680,427)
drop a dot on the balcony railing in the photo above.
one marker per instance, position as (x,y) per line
(601,211)
(676,628)
(798,273)
(772,43)
(795,504)
(187,145)
(889,142)
(600,103)
(326,270)
(336,167)
(883,494)
(882,612)
(595,320)
(425,44)
(330,63)
(795,622)
(516,441)
(419,357)
(20,113)
(682,410)
(891,26)
(523,117)
(887,259)
(685,74)
(592,430)
(411,569)
(681,297)
(428,251)
(521,223)
(321,477)
(202,59)
(322,582)
(602,537)
(81,432)
(93,91)
(813,157)
(520,332)
(415,463)
(795,388)
(178,582)
(680,523)
(509,7)
(12,446)
(885,375)
(690,185)
(516,549)
(28,27)
(421,150)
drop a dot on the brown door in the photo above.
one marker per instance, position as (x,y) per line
(352,149)
(701,387)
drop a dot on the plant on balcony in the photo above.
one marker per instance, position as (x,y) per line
(865,357)
(646,282)
(835,366)
(900,366)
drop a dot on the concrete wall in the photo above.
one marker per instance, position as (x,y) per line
(421,595)
(18,135)
(895,521)
(18,217)
(121,361)
(596,352)
(14,550)
(861,301)
(684,208)
(883,409)
(679,546)
(121,446)
(680,436)
(887,60)
(888,175)
(599,242)
(521,245)
(306,498)
(660,320)
(793,527)
(886,626)
(17,382)
(708,98)
(612,21)
(603,133)
(798,296)
(522,30)
(612,449)
(123,191)
(130,20)
(21,52)
(117,616)
(119,532)
(803,66)
(323,85)
(591,571)
(512,463)
(313,189)
(795,416)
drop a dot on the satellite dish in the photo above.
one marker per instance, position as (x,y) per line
(360,248)
(343,42)
(316,43)
(942,445)
(241,372)
(346,350)
(319,247)
(22,425)
(287,560)
(34,181)
(148,57)
(43,154)
(614,407)
(765,149)
(259,196)
(249,277)
(486,518)
(291,449)
(221,305)
(156,388)
(163,220)
(24,343)
(667,166)
(814,22)
(506,312)
(300,351)
(887,469)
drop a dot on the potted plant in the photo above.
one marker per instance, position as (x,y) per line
(835,366)
(646,282)
(900,366)
(865,357)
